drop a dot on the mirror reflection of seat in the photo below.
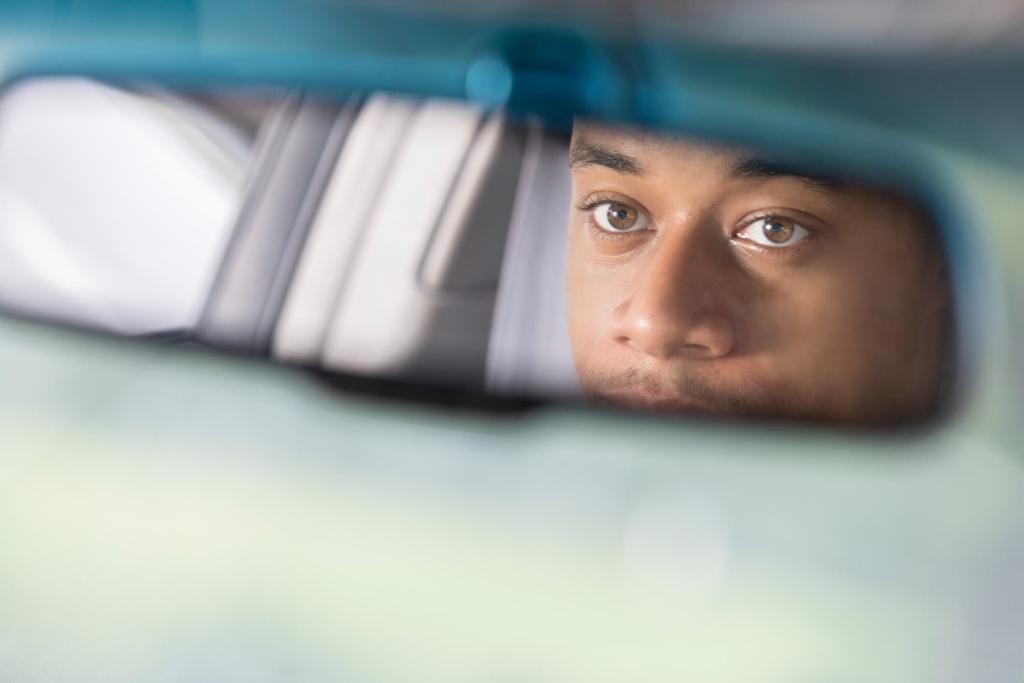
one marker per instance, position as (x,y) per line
(115,206)
(428,203)
(364,235)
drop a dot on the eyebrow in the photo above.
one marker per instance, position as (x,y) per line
(765,169)
(585,152)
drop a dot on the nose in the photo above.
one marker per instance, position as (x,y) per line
(680,302)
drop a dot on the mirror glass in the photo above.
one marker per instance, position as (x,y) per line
(435,243)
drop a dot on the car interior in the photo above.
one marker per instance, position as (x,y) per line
(231,232)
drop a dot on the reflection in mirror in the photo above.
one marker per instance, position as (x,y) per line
(707,278)
(433,242)
(115,203)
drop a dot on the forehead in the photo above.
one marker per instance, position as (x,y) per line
(645,144)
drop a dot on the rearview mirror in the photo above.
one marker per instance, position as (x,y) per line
(439,244)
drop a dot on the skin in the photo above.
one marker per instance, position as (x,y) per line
(680,301)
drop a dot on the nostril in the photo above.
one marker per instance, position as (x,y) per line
(665,332)
(697,351)
(693,343)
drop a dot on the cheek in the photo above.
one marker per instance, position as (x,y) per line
(793,327)
(845,329)
(594,291)
(884,294)
(589,292)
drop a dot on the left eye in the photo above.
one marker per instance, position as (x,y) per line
(774,232)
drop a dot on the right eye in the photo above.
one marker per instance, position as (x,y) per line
(617,217)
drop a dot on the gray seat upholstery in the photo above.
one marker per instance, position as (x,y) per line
(529,351)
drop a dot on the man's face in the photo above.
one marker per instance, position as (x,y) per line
(702,279)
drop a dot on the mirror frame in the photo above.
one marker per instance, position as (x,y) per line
(553,74)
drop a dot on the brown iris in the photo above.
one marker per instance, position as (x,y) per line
(621,217)
(778,230)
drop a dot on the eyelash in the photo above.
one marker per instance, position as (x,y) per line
(778,252)
(597,200)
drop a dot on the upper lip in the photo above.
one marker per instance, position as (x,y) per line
(655,400)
